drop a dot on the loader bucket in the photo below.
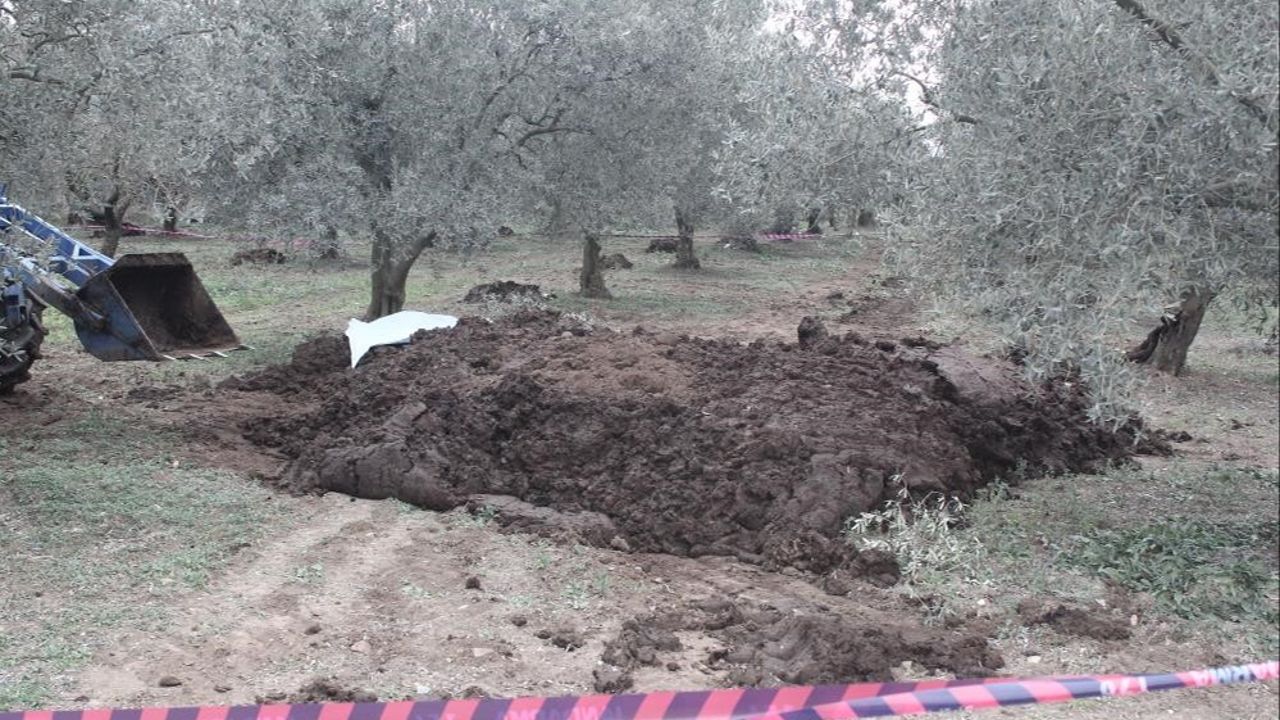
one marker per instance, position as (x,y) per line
(154,308)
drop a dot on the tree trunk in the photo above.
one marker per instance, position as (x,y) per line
(1165,348)
(558,225)
(591,281)
(390,272)
(171,220)
(811,220)
(113,223)
(686,258)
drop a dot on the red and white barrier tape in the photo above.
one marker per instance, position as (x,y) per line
(829,702)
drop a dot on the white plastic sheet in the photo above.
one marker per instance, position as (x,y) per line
(395,329)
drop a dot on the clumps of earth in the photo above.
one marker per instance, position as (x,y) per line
(504,291)
(258,256)
(616,261)
(758,644)
(657,442)
(321,690)
(663,245)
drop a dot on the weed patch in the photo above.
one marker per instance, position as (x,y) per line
(1190,566)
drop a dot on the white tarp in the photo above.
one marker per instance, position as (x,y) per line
(395,329)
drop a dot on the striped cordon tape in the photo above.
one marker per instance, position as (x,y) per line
(828,702)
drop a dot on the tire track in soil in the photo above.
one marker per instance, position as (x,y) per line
(244,620)
(373,596)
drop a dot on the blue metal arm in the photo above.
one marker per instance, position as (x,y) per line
(62,254)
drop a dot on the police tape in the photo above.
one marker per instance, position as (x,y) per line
(1026,692)
(829,702)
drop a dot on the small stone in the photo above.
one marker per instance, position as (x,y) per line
(363,647)
(519,620)
(82,698)
(222,688)
(673,666)
(473,583)
(169,681)
(620,544)
(480,652)
(313,629)
(1034,659)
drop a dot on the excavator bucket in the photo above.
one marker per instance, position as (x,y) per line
(153,307)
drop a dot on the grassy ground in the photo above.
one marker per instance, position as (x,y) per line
(105,530)
(99,528)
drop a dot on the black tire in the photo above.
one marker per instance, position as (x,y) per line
(15,367)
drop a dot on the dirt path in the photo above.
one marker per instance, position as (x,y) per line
(374,596)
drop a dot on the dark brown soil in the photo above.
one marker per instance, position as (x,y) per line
(689,446)
(616,261)
(761,644)
(502,291)
(258,256)
(1098,623)
(323,690)
(663,245)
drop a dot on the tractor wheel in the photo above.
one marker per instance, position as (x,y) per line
(19,348)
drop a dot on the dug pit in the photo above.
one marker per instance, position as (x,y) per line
(668,443)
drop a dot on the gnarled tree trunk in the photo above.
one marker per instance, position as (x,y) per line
(113,222)
(686,258)
(591,280)
(391,265)
(1165,348)
(811,222)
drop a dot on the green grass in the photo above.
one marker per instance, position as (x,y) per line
(1199,542)
(1192,567)
(98,529)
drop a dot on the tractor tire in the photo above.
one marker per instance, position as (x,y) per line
(19,348)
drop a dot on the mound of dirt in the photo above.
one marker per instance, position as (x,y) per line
(616,261)
(502,291)
(689,446)
(804,645)
(663,244)
(258,256)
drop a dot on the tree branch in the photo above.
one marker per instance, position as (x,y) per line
(547,131)
(927,97)
(32,73)
(159,44)
(1171,37)
(1238,195)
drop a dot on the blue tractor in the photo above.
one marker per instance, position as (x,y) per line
(137,307)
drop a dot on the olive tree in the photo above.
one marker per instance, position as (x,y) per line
(95,102)
(820,131)
(1090,160)
(441,120)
